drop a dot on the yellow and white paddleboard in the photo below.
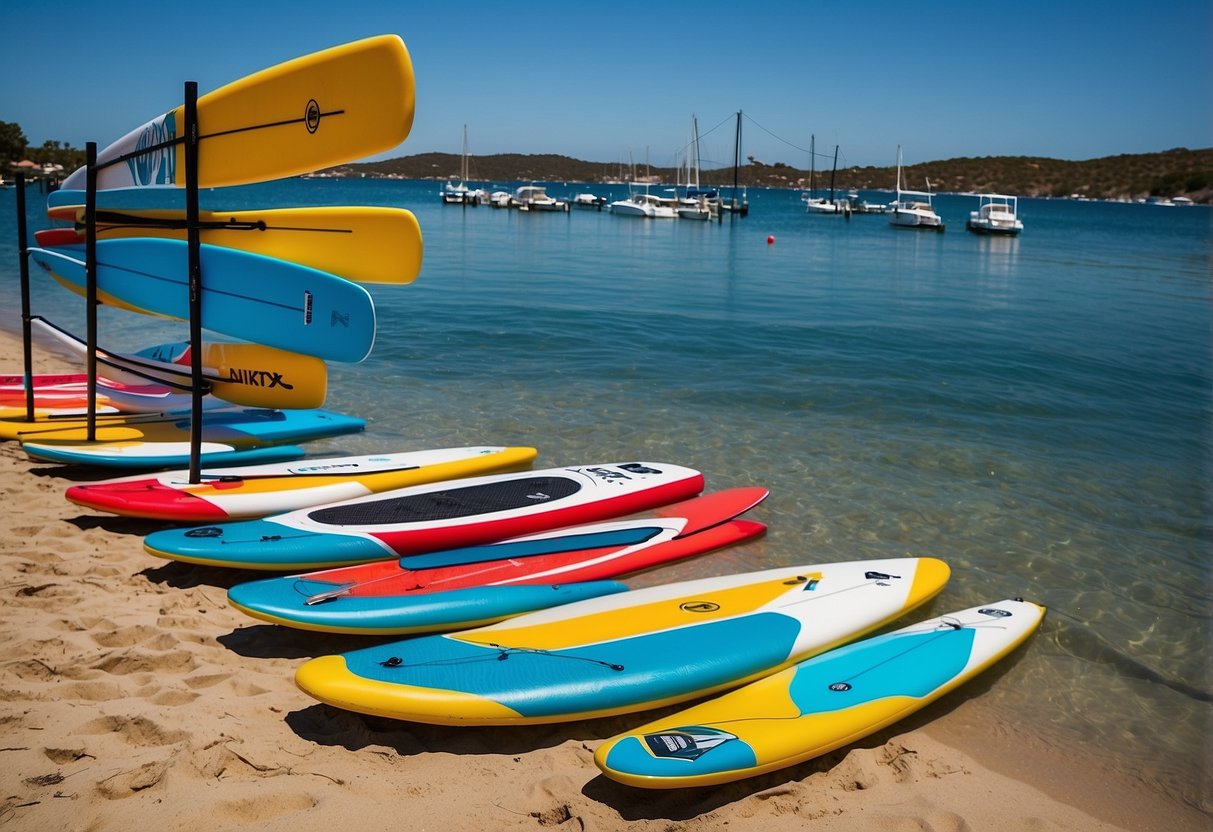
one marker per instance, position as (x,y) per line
(364,244)
(625,652)
(252,375)
(820,704)
(319,110)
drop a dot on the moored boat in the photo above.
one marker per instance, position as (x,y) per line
(588,201)
(536,198)
(643,204)
(814,204)
(913,209)
(459,193)
(995,214)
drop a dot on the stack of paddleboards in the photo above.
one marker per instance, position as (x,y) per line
(287,282)
(508,574)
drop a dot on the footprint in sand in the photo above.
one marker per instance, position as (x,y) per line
(130,636)
(127,783)
(264,806)
(127,662)
(137,730)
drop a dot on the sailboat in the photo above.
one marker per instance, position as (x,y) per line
(696,204)
(737,206)
(814,204)
(913,209)
(460,194)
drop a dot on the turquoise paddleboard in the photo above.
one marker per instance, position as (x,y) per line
(261,299)
(228,436)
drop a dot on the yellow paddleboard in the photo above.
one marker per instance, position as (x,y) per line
(820,704)
(363,244)
(312,112)
(252,375)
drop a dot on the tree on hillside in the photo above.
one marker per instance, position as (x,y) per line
(12,143)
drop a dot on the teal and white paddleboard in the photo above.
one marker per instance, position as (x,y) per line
(233,436)
(261,299)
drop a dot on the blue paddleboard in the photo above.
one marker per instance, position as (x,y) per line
(261,299)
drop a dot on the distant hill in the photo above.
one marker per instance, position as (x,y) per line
(1171,173)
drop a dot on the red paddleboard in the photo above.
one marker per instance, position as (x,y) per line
(460,588)
(67,391)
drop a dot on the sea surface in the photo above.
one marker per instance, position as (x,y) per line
(1035,411)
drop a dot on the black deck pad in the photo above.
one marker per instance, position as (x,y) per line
(450,503)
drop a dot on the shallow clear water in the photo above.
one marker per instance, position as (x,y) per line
(1035,411)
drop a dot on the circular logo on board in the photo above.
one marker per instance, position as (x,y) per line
(699,606)
(312,117)
(840,687)
(205,531)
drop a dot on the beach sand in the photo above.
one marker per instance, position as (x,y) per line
(133,698)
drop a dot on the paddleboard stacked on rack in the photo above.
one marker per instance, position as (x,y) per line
(286,281)
(511,572)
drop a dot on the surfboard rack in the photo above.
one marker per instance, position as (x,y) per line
(26,325)
(194,239)
(199,386)
(361,118)
(189,138)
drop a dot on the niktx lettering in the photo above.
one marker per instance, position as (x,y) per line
(257,378)
(155,159)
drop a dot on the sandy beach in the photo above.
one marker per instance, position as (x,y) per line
(133,697)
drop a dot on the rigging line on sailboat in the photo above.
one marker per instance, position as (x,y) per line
(774,136)
(726,120)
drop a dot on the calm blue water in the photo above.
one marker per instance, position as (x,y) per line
(1035,411)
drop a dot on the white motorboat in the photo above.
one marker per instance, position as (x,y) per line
(858,205)
(995,214)
(536,198)
(643,204)
(913,209)
(588,201)
(694,208)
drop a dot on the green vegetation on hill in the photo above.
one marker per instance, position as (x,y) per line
(14,147)
(1171,173)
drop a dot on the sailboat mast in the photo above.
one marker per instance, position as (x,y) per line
(695,149)
(899,173)
(463,170)
(833,171)
(736,156)
(812,166)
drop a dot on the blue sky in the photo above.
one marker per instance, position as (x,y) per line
(607,81)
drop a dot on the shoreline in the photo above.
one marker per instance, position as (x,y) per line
(134,695)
